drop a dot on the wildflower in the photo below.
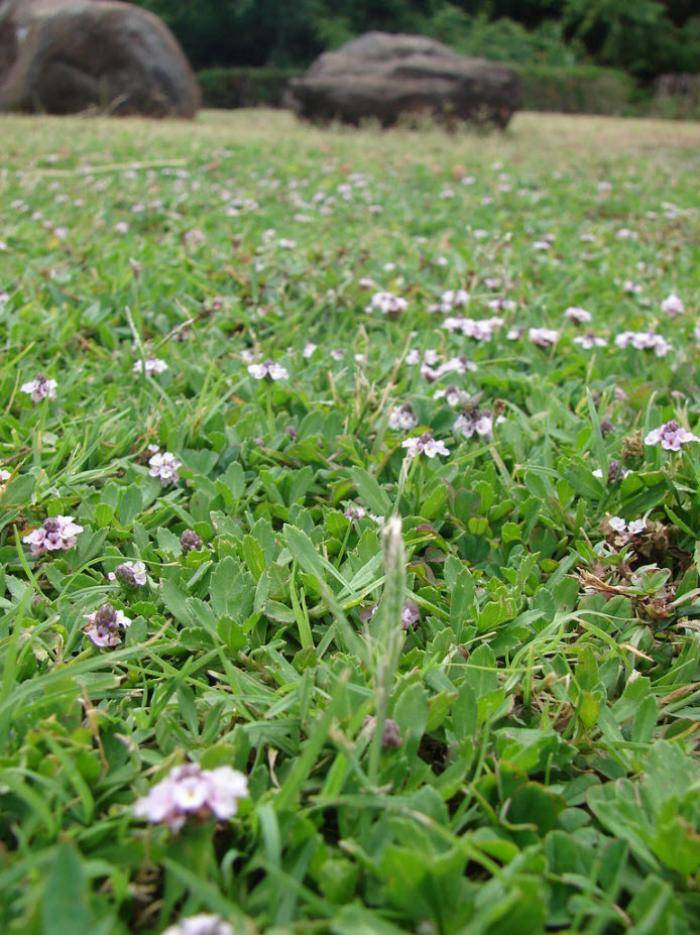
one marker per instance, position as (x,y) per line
(121,227)
(194,237)
(55,533)
(202,924)
(410,615)
(642,341)
(286,244)
(190,541)
(391,736)
(151,365)
(670,436)
(387,303)
(673,305)
(355,512)
(543,337)
(309,348)
(190,790)
(478,330)
(625,234)
(4,477)
(632,288)
(452,395)
(164,465)
(452,298)
(40,388)
(268,370)
(403,417)
(473,423)
(578,315)
(620,531)
(502,305)
(425,444)
(132,574)
(104,624)
(589,341)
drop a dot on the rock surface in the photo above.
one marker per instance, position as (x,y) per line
(385,76)
(66,56)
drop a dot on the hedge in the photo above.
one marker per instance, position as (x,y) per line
(571,90)
(230,88)
(578,90)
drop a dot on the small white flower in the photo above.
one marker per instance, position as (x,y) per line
(543,337)
(268,370)
(403,418)
(40,388)
(309,348)
(153,365)
(578,315)
(425,444)
(164,465)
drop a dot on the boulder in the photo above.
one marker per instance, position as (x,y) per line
(384,76)
(66,56)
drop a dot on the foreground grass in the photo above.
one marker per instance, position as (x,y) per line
(541,706)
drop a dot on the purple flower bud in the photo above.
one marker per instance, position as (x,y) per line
(190,541)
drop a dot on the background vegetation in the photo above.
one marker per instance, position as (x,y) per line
(645,38)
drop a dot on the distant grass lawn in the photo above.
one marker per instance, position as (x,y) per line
(358,471)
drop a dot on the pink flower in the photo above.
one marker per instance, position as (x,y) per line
(474,423)
(190,790)
(670,436)
(104,624)
(55,533)
(578,315)
(164,465)
(269,370)
(40,388)
(425,444)
(387,303)
(543,337)
(642,341)
(132,574)
(354,512)
(673,305)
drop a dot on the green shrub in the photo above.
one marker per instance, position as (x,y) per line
(230,88)
(577,89)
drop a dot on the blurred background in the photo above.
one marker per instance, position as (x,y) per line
(622,57)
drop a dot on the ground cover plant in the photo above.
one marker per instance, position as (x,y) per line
(349,520)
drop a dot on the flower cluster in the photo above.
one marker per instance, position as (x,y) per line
(472,422)
(202,924)
(473,328)
(670,436)
(387,303)
(105,624)
(268,370)
(190,791)
(643,341)
(402,418)
(453,298)
(426,445)
(132,574)
(152,365)
(164,465)
(40,388)
(55,533)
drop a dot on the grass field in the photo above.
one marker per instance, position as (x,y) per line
(349,514)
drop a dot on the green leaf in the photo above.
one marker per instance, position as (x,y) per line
(64,904)
(374,497)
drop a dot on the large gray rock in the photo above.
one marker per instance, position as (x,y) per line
(384,76)
(65,56)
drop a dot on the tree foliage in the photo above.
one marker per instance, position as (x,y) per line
(644,37)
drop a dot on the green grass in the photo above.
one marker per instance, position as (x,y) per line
(548,696)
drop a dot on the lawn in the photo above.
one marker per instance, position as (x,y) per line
(349,488)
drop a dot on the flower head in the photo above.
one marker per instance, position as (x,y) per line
(55,533)
(425,444)
(202,924)
(403,418)
(268,370)
(673,305)
(192,791)
(578,315)
(670,436)
(473,422)
(132,574)
(387,303)
(104,625)
(543,337)
(190,541)
(151,365)
(164,465)
(40,388)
